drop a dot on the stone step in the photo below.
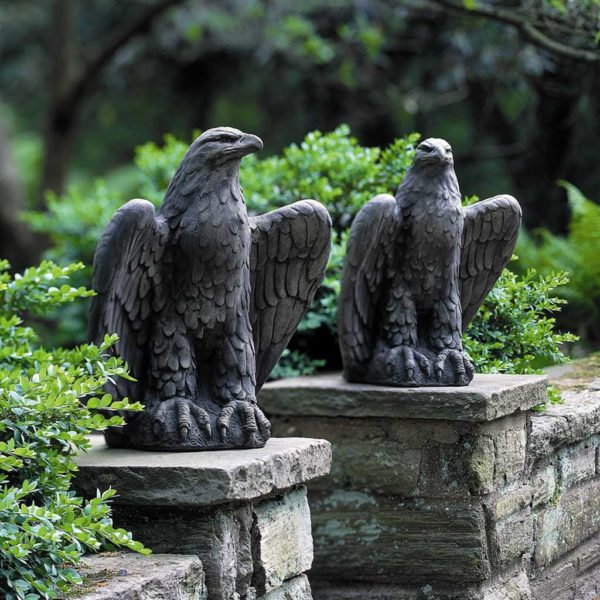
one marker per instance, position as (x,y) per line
(129,576)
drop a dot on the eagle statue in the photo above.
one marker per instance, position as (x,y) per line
(204,299)
(417,268)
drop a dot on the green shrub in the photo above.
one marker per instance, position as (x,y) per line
(577,253)
(513,331)
(44,527)
(336,170)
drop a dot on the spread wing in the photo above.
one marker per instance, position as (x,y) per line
(367,260)
(490,234)
(290,248)
(127,282)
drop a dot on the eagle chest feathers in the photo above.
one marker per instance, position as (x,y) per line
(211,256)
(432,230)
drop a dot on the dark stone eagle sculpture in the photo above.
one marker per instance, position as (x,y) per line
(418,266)
(204,299)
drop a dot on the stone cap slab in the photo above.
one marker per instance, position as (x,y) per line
(578,418)
(129,576)
(201,478)
(487,398)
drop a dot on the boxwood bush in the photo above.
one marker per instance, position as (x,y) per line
(44,423)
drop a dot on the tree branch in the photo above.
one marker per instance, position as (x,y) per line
(94,66)
(521,23)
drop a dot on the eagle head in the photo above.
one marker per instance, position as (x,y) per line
(212,158)
(221,145)
(433,154)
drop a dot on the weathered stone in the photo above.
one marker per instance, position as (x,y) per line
(201,478)
(392,592)
(413,458)
(562,525)
(578,418)
(543,482)
(505,586)
(282,540)
(243,512)
(498,453)
(362,537)
(511,538)
(489,397)
(575,576)
(508,500)
(297,588)
(577,463)
(128,576)
(559,583)
(222,538)
(508,586)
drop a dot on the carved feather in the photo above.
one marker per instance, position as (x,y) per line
(369,246)
(291,243)
(489,237)
(126,267)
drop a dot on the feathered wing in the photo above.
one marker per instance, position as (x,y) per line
(290,248)
(127,282)
(490,234)
(367,260)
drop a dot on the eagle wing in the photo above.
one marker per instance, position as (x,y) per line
(490,234)
(367,260)
(127,282)
(290,248)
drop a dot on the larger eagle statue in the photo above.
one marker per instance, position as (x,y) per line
(204,299)
(418,266)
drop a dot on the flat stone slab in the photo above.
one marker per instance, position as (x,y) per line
(129,576)
(201,478)
(487,398)
(576,419)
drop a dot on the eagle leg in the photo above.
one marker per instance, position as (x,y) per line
(186,414)
(461,361)
(252,419)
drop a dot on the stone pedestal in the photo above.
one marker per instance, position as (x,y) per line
(441,493)
(244,513)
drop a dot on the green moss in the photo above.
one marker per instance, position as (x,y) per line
(581,373)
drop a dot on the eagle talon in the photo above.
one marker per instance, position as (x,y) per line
(461,363)
(252,421)
(185,413)
(413,361)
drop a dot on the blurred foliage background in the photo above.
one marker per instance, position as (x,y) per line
(514,85)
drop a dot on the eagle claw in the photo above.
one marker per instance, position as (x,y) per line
(186,413)
(413,359)
(252,420)
(461,361)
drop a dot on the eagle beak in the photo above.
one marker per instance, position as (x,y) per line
(248,144)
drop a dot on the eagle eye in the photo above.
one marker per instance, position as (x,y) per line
(426,148)
(225,137)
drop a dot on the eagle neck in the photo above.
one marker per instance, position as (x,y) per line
(419,183)
(207,185)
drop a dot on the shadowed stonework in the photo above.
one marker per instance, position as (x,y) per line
(245,514)
(204,299)
(459,493)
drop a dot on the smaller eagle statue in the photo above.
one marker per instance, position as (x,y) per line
(204,299)
(418,266)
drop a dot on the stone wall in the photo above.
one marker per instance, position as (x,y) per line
(450,493)
(244,513)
